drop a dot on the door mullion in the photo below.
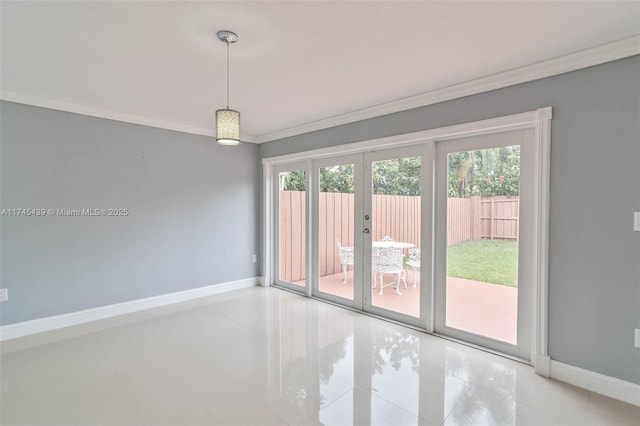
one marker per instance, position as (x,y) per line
(365,237)
(311,217)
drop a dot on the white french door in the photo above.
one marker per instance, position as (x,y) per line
(361,201)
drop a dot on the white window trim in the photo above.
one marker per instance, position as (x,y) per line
(539,120)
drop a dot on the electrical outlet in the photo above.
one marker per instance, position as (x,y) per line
(4,294)
(636,221)
(637,340)
(254,258)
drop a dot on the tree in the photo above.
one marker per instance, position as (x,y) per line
(462,173)
(337,179)
(332,179)
(390,177)
(294,181)
(399,176)
(486,172)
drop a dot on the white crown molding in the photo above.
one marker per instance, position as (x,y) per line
(491,125)
(585,58)
(109,114)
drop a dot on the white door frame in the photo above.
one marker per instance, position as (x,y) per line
(539,120)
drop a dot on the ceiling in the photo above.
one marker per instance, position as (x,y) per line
(159,63)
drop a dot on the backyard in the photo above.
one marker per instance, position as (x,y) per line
(489,261)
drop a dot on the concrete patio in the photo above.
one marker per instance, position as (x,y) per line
(486,309)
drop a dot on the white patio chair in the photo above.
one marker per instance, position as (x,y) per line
(386,238)
(388,260)
(414,262)
(346,258)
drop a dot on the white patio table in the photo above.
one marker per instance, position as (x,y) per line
(397,270)
(386,244)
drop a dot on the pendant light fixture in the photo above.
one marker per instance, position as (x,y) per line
(227,120)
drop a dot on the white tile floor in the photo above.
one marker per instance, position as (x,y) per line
(264,356)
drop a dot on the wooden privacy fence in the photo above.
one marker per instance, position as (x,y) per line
(393,215)
(292,235)
(482,217)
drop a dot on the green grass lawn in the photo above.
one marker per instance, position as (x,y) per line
(490,261)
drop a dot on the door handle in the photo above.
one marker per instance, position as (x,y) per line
(365,230)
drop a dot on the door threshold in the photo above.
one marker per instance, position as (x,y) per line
(483,349)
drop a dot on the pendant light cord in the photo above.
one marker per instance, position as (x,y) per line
(227,74)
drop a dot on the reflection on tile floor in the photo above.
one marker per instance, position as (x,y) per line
(265,356)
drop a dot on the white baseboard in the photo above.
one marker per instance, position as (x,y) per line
(542,365)
(596,382)
(41,325)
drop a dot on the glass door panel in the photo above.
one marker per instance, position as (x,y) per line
(482,242)
(395,234)
(291,220)
(336,229)
(484,258)
(397,263)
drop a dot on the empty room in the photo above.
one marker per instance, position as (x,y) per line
(319,213)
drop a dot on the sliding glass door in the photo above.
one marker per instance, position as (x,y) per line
(484,266)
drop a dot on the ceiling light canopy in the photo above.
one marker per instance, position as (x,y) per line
(227,120)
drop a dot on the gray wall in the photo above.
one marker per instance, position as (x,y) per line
(192,203)
(594,275)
